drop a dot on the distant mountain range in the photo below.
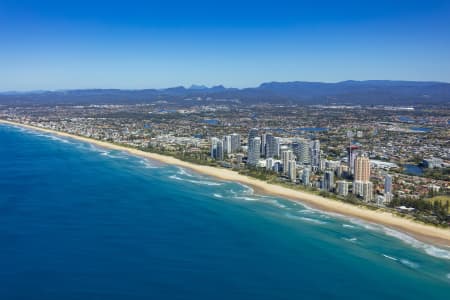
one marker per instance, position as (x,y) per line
(369,92)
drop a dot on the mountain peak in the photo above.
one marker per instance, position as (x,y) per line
(198,87)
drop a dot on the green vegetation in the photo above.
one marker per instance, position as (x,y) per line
(438,174)
(201,158)
(433,210)
(442,200)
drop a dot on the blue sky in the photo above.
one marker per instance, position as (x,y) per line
(145,44)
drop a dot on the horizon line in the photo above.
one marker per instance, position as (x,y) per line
(199,87)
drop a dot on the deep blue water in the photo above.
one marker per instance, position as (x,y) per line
(80,222)
(422,129)
(211,122)
(413,170)
(405,119)
(312,129)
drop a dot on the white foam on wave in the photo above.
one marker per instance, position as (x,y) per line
(352,240)
(390,257)
(409,264)
(348,226)
(91,147)
(315,212)
(63,140)
(105,152)
(403,261)
(247,190)
(37,132)
(429,249)
(110,155)
(311,220)
(201,182)
(246,198)
(262,199)
(305,219)
(50,136)
(323,214)
(147,164)
(217,195)
(365,225)
(20,128)
(276,203)
(182,171)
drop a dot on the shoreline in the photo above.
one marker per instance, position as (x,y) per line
(420,231)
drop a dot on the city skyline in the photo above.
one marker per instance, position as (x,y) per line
(48,45)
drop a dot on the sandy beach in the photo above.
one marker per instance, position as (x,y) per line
(422,232)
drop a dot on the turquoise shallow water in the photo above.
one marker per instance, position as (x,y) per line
(80,222)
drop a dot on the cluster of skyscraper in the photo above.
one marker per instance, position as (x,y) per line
(266,145)
(303,156)
(227,145)
(301,153)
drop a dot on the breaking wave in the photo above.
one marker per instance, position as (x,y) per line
(348,226)
(201,182)
(409,264)
(352,240)
(429,249)
(182,171)
(402,261)
(147,164)
(305,219)
(390,257)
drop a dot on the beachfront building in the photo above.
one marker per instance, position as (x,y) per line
(367,191)
(227,144)
(269,163)
(342,187)
(238,159)
(235,142)
(362,186)
(328,181)
(254,151)
(388,198)
(216,148)
(292,170)
(286,156)
(363,189)
(305,176)
(277,167)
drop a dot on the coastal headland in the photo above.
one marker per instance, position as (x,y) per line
(420,231)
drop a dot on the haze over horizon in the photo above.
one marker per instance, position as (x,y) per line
(50,45)
(200,86)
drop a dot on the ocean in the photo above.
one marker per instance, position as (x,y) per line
(82,222)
